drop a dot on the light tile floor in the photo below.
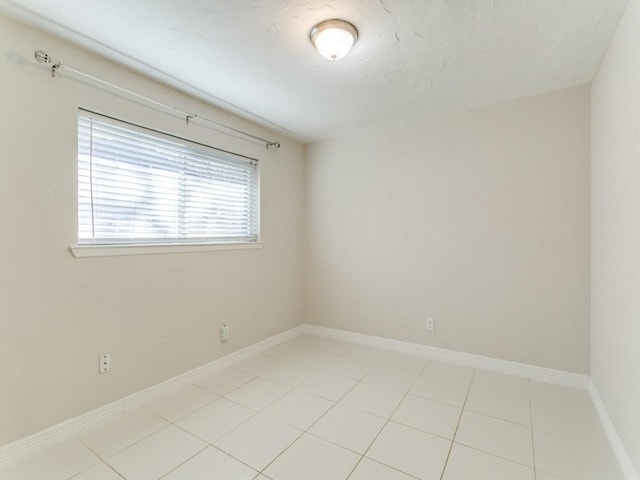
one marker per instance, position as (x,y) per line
(318,409)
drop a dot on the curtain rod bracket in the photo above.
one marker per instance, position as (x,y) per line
(43,57)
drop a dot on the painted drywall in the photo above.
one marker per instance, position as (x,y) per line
(479,220)
(157,315)
(615,232)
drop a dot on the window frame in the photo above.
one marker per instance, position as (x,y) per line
(111,247)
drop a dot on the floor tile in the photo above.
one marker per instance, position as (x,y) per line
(348,427)
(496,437)
(411,451)
(258,364)
(258,441)
(180,403)
(298,409)
(311,458)
(374,399)
(290,374)
(369,470)
(210,464)
(502,396)
(315,358)
(215,420)
(57,463)
(123,430)
(350,367)
(102,471)
(466,463)
(565,411)
(151,458)
(443,382)
(391,377)
(258,393)
(574,459)
(223,381)
(332,387)
(410,363)
(428,415)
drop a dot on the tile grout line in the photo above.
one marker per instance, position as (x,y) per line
(104,458)
(506,459)
(319,418)
(453,439)
(114,470)
(101,462)
(188,459)
(169,423)
(494,417)
(183,416)
(211,444)
(255,413)
(387,422)
(325,413)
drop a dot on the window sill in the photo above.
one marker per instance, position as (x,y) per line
(80,251)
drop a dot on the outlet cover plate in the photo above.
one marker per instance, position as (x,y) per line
(430,325)
(105,362)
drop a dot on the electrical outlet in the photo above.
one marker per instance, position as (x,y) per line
(105,362)
(430,325)
(224,333)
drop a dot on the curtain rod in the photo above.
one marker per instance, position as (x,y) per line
(44,58)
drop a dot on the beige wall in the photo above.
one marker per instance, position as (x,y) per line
(157,315)
(615,231)
(478,219)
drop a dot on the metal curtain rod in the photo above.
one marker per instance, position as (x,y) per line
(44,58)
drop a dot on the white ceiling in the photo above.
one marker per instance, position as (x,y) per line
(414,58)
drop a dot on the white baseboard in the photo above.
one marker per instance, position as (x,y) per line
(628,470)
(548,375)
(44,439)
(49,437)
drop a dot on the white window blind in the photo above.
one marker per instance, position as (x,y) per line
(138,186)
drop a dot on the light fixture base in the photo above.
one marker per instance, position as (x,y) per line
(334,38)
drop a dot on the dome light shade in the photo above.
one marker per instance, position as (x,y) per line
(334,38)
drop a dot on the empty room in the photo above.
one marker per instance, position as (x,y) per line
(320,240)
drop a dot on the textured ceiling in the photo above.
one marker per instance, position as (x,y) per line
(414,58)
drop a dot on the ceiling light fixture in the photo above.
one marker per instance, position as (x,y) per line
(334,38)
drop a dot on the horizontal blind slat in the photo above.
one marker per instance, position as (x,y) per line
(134,186)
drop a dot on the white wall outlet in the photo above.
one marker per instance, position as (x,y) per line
(224,333)
(105,362)
(430,325)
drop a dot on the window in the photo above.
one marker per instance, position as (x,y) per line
(138,186)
